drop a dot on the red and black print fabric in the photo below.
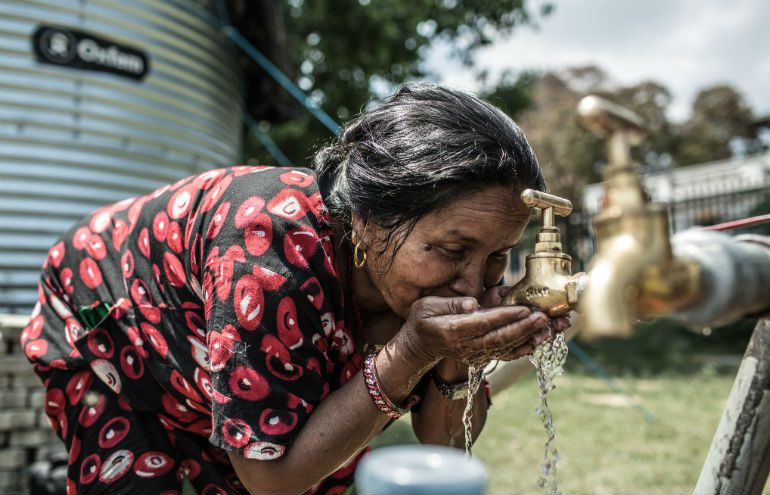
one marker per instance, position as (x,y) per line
(224,320)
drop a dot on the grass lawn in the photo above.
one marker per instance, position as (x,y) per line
(606,446)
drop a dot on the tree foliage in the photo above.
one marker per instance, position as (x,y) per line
(719,115)
(572,157)
(345,50)
(348,53)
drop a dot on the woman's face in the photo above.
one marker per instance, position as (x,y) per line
(456,251)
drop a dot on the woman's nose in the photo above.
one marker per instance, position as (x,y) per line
(469,283)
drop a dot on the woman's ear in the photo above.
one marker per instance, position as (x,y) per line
(358,231)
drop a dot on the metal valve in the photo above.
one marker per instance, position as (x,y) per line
(548,284)
(634,273)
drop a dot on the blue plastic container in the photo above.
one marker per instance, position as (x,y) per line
(420,470)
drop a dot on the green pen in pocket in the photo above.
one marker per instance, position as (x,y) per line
(187,488)
(92,316)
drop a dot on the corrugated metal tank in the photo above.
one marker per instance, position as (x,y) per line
(72,140)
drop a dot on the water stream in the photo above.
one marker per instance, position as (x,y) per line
(474,381)
(548,359)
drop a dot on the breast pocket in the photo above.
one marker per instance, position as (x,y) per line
(115,349)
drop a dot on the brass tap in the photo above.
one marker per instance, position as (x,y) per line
(548,284)
(634,274)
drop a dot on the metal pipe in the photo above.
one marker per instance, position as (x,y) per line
(734,276)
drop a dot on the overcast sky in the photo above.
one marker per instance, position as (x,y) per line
(685,44)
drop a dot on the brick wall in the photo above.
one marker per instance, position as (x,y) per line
(25,434)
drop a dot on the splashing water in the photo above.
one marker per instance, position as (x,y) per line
(548,359)
(474,381)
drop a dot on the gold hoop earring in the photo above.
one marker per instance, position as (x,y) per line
(359,255)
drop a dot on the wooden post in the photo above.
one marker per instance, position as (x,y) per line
(739,459)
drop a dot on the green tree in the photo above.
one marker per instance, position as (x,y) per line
(345,50)
(719,115)
(513,92)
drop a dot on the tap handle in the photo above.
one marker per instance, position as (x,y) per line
(620,126)
(548,203)
(537,199)
(605,118)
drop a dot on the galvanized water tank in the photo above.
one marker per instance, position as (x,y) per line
(102,100)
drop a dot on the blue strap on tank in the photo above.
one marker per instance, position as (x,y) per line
(274,72)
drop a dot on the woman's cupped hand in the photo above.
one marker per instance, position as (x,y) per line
(477,331)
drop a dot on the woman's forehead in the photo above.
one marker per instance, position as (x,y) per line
(497,200)
(495,211)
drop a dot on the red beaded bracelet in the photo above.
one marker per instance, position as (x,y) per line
(382,402)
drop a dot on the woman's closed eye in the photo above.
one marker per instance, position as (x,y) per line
(500,255)
(453,253)
(459,252)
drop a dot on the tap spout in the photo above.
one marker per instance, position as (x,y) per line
(634,274)
(606,302)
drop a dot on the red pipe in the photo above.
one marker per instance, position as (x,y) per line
(735,224)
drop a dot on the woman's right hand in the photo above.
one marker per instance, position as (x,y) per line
(457,328)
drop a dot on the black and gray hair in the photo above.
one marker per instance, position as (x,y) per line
(423,148)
